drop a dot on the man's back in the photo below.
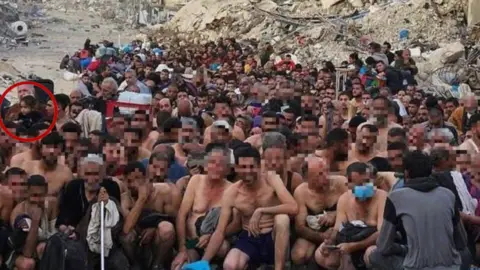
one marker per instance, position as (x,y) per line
(428,217)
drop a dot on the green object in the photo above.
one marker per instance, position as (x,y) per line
(191,243)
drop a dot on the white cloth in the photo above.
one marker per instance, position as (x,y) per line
(470,146)
(93,233)
(403,112)
(469,204)
(312,221)
(89,120)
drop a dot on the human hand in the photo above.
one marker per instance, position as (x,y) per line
(254,224)
(326,220)
(346,247)
(102,195)
(203,241)
(147,236)
(180,259)
(35,212)
(145,190)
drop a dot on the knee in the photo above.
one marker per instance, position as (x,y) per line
(25,264)
(222,252)
(282,223)
(128,239)
(230,264)
(371,257)
(166,231)
(299,255)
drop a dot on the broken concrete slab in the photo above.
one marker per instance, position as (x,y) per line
(329,3)
(473,12)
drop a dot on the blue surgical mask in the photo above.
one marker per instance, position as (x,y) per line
(364,192)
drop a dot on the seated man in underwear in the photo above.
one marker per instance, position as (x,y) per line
(317,203)
(264,205)
(362,206)
(151,211)
(274,146)
(34,221)
(202,197)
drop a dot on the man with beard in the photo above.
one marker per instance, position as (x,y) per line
(132,143)
(308,126)
(460,118)
(362,204)
(57,175)
(264,205)
(188,138)
(275,158)
(317,201)
(140,119)
(202,199)
(336,151)
(32,153)
(363,150)
(382,107)
(33,219)
(71,133)
(270,122)
(356,103)
(150,212)
(222,110)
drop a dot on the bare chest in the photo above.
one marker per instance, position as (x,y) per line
(247,202)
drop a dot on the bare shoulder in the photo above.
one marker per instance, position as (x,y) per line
(120,184)
(300,190)
(195,180)
(344,198)
(381,194)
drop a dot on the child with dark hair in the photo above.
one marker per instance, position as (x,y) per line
(28,112)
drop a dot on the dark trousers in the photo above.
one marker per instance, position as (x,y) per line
(116,260)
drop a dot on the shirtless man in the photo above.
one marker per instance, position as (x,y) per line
(57,175)
(270,122)
(361,205)
(275,158)
(40,215)
(146,200)
(132,141)
(336,152)
(204,193)
(140,120)
(188,139)
(382,107)
(363,150)
(264,204)
(7,143)
(317,200)
(33,153)
(222,111)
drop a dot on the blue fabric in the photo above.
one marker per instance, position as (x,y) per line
(175,172)
(85,62)
(399,184)
(200,265)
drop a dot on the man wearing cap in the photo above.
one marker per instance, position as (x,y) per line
(34,220)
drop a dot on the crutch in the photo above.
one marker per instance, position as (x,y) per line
(102,229)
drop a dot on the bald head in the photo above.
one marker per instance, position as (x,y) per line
(470,103)
(165,105)
(25,90)
(184,108)
(315,171)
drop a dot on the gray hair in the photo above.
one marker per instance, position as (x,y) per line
(188,122)
(439,154)
(92,158)
(110,81)
(261,87)
(273,140)
(131,71)
(26,86)
(444,132)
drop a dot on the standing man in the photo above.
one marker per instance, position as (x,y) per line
(264,204)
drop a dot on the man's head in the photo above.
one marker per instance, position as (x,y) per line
(440,137)
(366,138)
(475,125)
(158,165)
(7,142)
(165,105)
(25,90)
(359,177)
(221,132)
(395,152)
(189,131)
(270,121)
(135,176)
(71,133)
(337,144)
(132,140)
(140,120)
(17,182)
(92,171)
(222,108)
(417,165)
(131,77)
(63,102)
(109,88)
(52,146)
(357,90)
(218,161)
(315,171)
(381,109)
(37,190)
(470,103)
(247,165)
(75,96)
(450,105)
(274,146)
(442,158)
(435,116)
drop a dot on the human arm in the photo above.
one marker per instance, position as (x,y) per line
(31,241)
(341,217)
(134,215)
(287,205)
(173,206)
(300,219)
(185,207)
(386,238)
(219,235)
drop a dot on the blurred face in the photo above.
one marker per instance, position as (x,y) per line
(222,110)
(365,140)
(357,90)
(395,158)
(49,108)
(132,143)
(449,108)
(164,76)
(50,154)
(422,114)
(341,151)
(416,137)
(330,93)
(134,180)
(380,67)
(108,90)
(412,109)
(24,109)
(18,186)
(274,159)
(247,170)
(217,163)
(187,133)
(366,98)
(464,164)
(75,110)
(172,93)
(140,120)
(165,105)
(36,195)
(130,78)
(380,111)
(75,96)
(343,101)
(269,124)
(182,96)
(158,171)
(24,90)
(112,152)
(202,102)
(317,176)
(471,105)
(358,179)
(71,141)
(91,174)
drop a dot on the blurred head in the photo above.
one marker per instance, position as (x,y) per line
(358,174)
(132,140)
(135,176)
(25,90)
(75,96)
(91,170)
(338,144)
(218,161)
(417,165)
(366,138)
(27,104)
(274,147)
(71,133)
(37,190)
(315,171)
(395,152)
(52,146)
(247,165)
(17,182)
(165,105)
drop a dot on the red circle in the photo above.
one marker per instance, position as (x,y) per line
(55,112)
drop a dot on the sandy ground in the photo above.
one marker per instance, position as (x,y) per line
(62,33)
